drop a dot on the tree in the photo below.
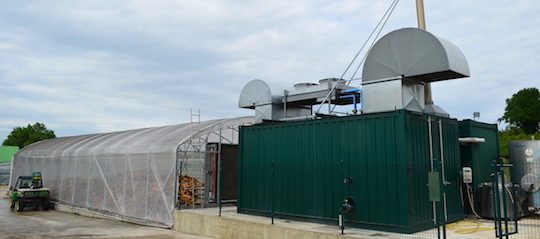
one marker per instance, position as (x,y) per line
(523,110)
(23,136)
(510,134)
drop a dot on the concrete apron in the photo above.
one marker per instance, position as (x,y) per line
(206,222)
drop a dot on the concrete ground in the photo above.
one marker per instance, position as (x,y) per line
(467,229)
(54,224)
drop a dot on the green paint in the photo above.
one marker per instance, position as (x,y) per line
(434,186)
(14,195)
(7,152)
(299,169)
(479,156)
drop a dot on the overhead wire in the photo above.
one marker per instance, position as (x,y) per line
(390,8)
(373,43)
(383,20)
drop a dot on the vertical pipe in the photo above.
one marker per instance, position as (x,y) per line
(497,205)
(494,198)
(444,183)
(422,25)
(354,100)
(420,14)
(432,167)
(505,207)
(285,94)
(330,105)
(442,168)
(220,165)
(273,190)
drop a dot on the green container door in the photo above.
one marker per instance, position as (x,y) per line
(306,169)
(376,163)
(445,149)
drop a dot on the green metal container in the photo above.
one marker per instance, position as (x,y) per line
(478,156)
(305,169)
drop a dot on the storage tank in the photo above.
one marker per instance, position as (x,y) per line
(525,156)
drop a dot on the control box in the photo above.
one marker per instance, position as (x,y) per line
(467,175)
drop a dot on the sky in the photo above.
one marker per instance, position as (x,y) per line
(98,66)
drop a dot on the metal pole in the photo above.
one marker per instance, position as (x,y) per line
(420,14)
(341,225)
(220,165)
(330,105)
(273,190)
(285,94)
(432,167)
(444,183)
(505,207)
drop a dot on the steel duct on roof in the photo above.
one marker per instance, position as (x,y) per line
(258,92)
(415,54)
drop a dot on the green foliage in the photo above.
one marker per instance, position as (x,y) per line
(511,134)
(523,110)
(23,136)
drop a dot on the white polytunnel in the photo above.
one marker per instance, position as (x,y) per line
(129,175)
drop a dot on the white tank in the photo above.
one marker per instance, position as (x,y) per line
(525,157)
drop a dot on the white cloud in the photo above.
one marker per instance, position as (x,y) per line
(98,66)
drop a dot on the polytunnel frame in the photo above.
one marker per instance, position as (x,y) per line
(76,160)
(197,143)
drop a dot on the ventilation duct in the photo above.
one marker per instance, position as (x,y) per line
(275,103)
(412,57)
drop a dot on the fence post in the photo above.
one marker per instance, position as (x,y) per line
(272,192)
(220,173)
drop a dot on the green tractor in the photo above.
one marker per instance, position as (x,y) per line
(29,191)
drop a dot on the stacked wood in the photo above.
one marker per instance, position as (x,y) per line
(190,190)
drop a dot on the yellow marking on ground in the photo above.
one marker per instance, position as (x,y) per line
(468,227)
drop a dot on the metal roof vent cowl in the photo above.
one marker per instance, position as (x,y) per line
(413,56)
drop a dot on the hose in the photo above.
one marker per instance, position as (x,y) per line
(509,194)
(470,196)
(468,227)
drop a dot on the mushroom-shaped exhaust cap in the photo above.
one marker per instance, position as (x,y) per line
(415,54)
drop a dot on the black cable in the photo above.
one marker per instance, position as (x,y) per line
(385,17)
(374,41)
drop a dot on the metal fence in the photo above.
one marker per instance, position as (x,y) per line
(515,211)
(424,197)
(443,220)
(201,183)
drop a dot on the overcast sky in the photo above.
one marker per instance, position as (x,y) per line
(98,66)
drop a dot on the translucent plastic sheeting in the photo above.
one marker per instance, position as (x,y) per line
(129,175)
(4,173)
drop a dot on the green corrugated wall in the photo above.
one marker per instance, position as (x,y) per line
(297,169)
(7,152)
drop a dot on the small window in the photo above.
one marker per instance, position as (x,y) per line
(25,183)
